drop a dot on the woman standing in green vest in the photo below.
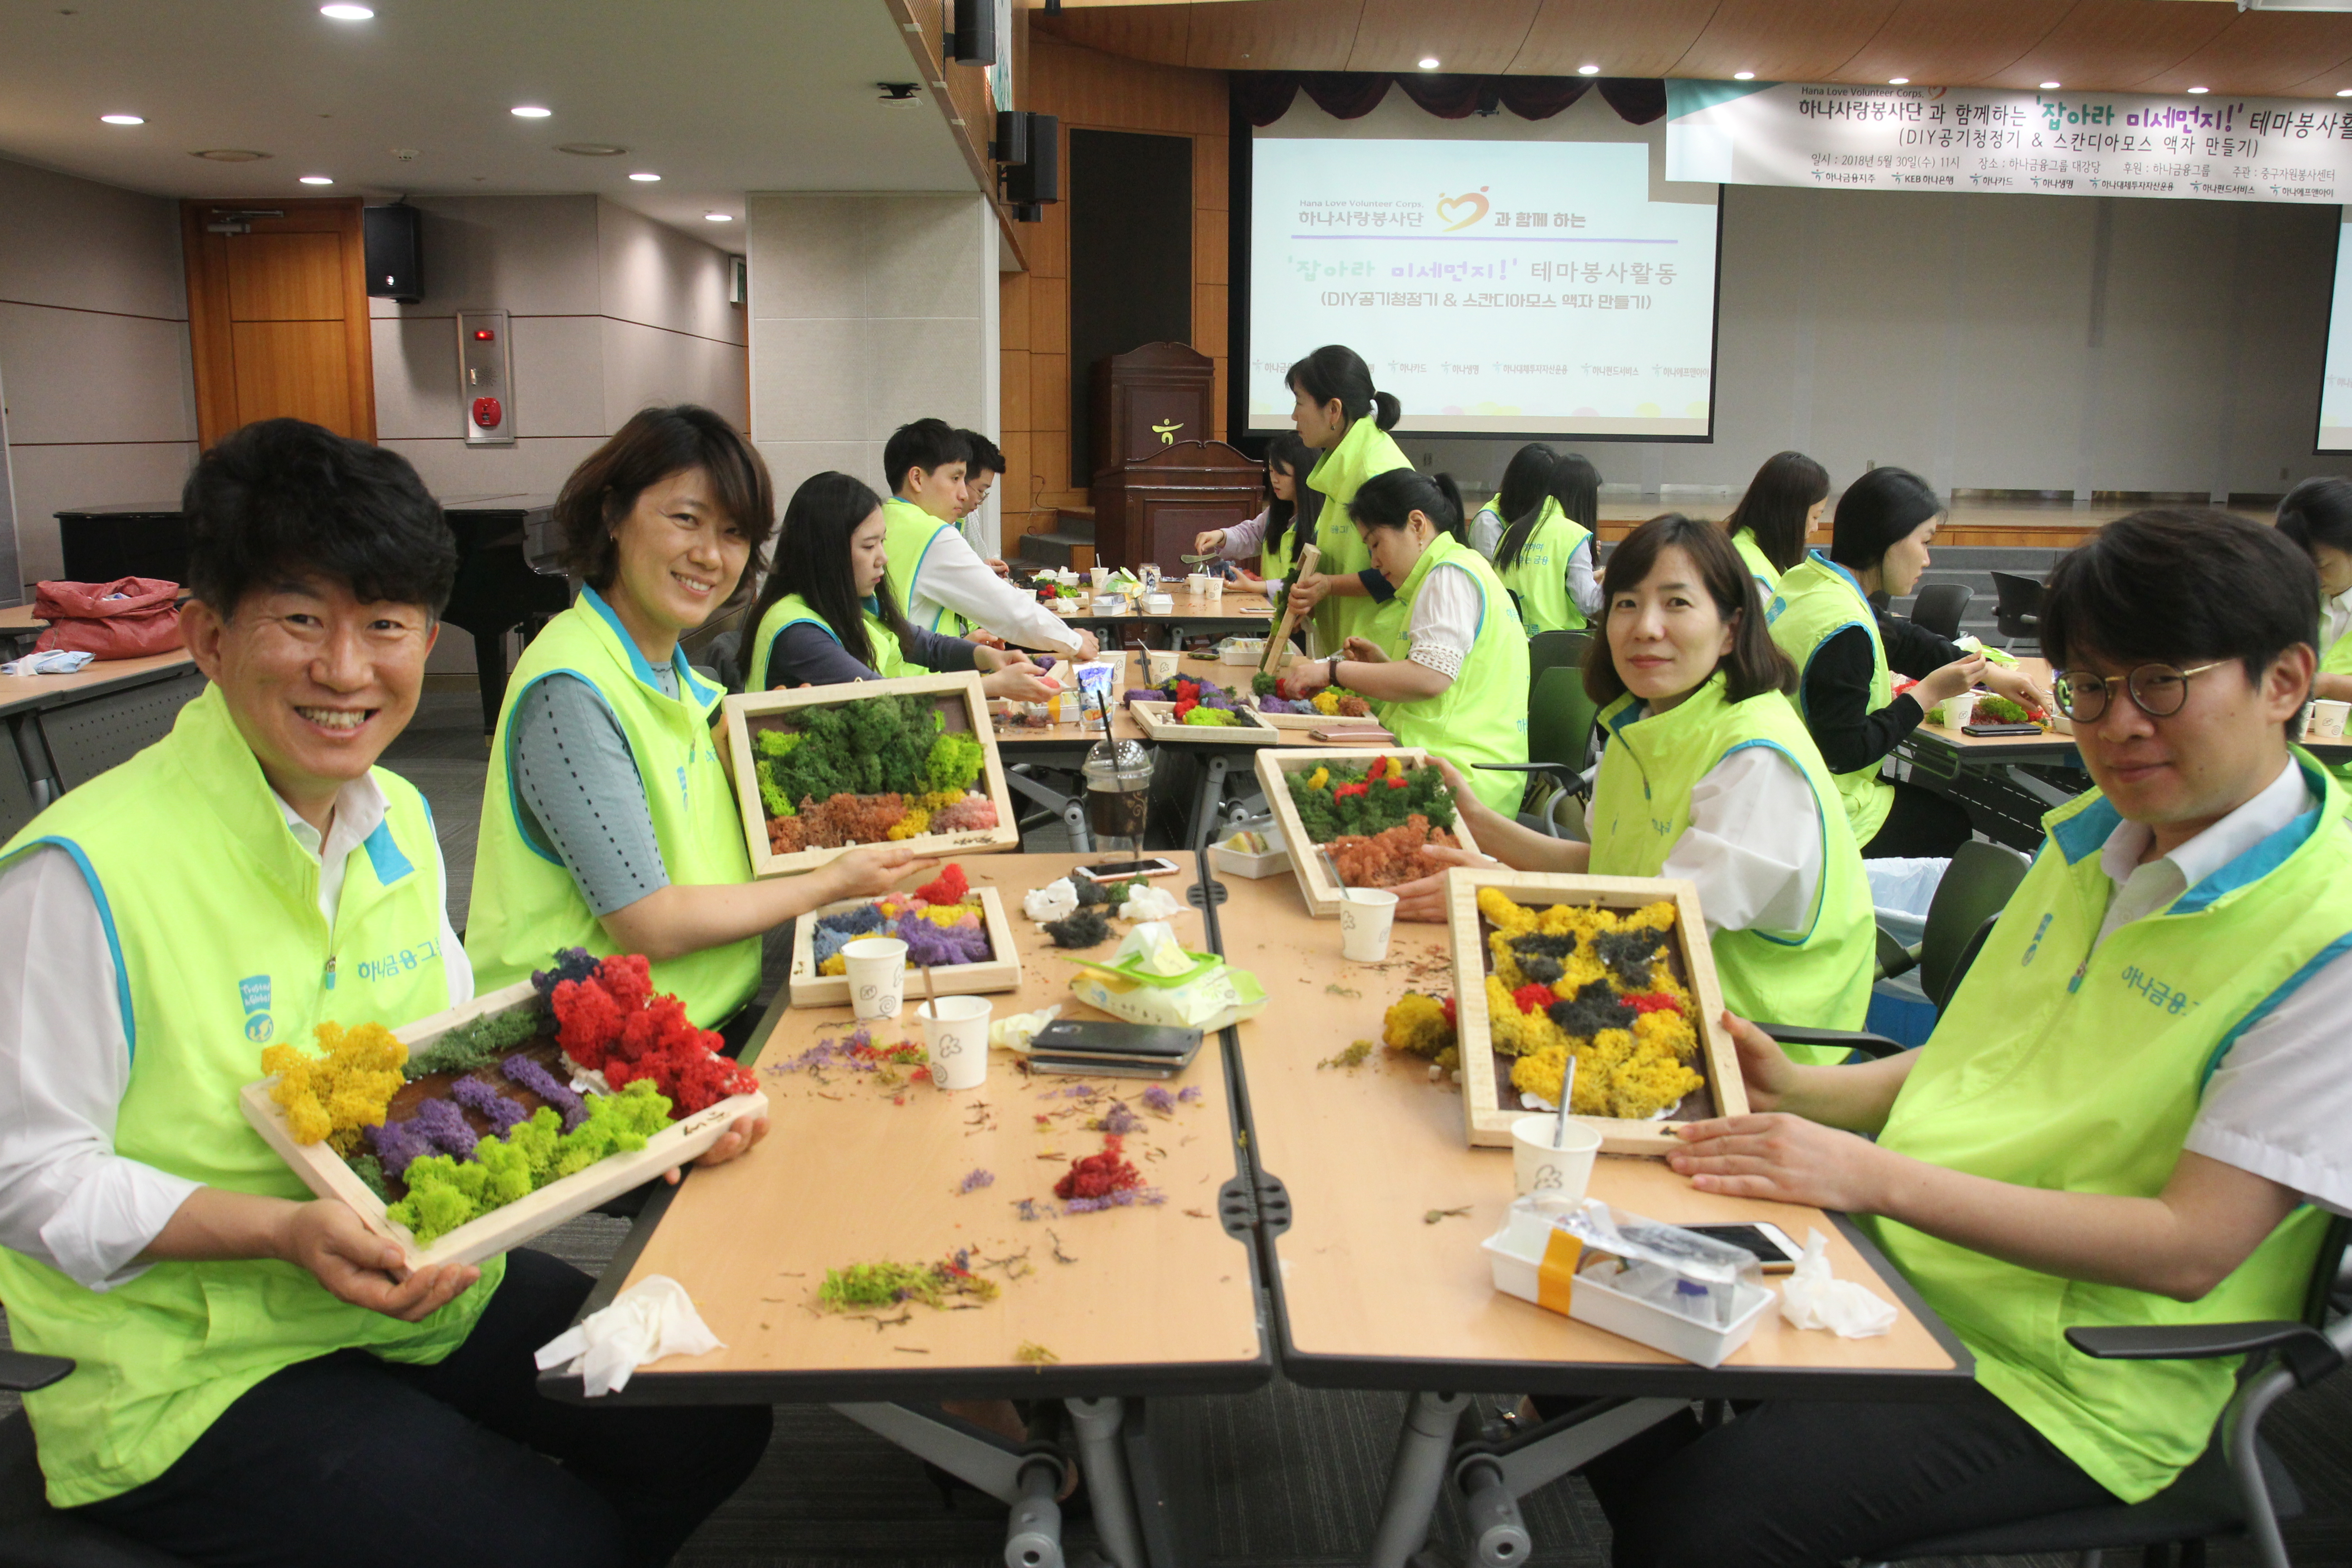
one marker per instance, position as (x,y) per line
(1545,557)
(1784,501)
(1273,535)
(1527,479)
(1339,413)
(2131,1114)
(1448,663)
(826,614)
(610,822)
(1710,774)
(1846,655)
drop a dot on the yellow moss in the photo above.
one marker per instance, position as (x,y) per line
(1648,1084)
(1417,1024)
(836,964)
(1319,778)
(1508,919)
(916,821)
(1512,1032)
(1326,701)
(1666,1032)
(333,1095)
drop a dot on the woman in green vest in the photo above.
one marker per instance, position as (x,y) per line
(2129,1115)
(1447,664)
(1710,774)
(1545,557)
(826,614)
(1527,479)
(1273,535)
(1846,655)
(610,822)
(2316,515)
(1784,501)
(1339,413)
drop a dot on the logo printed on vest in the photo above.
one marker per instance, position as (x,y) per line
(2157,993)
(2035,945)
(253,992)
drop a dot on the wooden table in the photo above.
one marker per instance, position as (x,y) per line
(1237,612)
(1157,1300)
(66,728)
(1369,1292)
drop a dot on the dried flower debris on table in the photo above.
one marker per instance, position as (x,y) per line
(867,771)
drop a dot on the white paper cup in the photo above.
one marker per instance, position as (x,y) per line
(1197,582)
(1216,587)
(957,1039)
(877,976)
(1099,576)
(1366,915)
(2328,720)
(1961,709)
(1547,1172)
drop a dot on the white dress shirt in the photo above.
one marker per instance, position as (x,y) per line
(66,1197)
(953,576)
(1754,844)
(2335,619)
(1445,620)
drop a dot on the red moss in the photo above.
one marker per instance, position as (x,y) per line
(1531,997)
(1098,1175)
(948,888)
(1651,1001)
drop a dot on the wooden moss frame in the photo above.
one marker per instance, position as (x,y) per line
(1000,971)
(957,693)
(1275,764)
(1485,1118)
(1157,719)
(323,1171)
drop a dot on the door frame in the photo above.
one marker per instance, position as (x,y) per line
(212,351)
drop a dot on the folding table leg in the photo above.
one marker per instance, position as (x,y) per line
(1099,1456)
(1423,1447)
(1214,768)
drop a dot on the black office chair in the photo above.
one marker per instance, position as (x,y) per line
(2017,607)
(32,1533)
(1975,890)
(1940,608)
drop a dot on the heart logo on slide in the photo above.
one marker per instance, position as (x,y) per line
(1462,211)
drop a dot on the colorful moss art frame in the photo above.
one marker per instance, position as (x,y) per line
(1318,881)
(1000,971)
(1651,958)
(885,762)
(1203,725)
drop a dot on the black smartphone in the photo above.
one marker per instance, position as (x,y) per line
(2000,729)
(1769,1242)
(1103,1046)
(1119,870)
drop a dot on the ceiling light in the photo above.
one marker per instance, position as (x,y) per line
(2344,92)
(1428,62)
(1743,76)
(646,179)
(2199,90)
(124,119)
(317,180)
(2050,87)
(529,112)
(1588,71)
(1898,82)
(347,13)
(230,154)
(719,217)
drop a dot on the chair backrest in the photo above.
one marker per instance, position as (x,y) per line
(1559,717)
(1550,650)
(1975,888)
(1940,608)
(2016,595)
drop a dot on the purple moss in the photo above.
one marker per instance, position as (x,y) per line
(570,963)
(488,1102)
(930,945)
(1125,1197)
(834,932)
(1157,1099)
(974,1181)
(1190,1095)
(1118,1119)
(524,1073)
(438,1128)
(1031,1209)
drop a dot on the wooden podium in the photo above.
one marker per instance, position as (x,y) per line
(1159,480)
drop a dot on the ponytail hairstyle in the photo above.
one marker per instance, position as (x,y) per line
(1527,479)
(813,561)
(1784,489)
(1755,664)
(1576,485)
(1337,371)
(1296,458)
(1390,499)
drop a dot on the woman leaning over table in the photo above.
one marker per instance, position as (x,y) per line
(610,822)
(1708,775)
(1272,536)
(1446,662)
(1340,414)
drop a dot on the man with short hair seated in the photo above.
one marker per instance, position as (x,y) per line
(2132,1113)
(259,1381)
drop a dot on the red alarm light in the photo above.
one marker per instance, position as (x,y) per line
(487,413)
(484,335)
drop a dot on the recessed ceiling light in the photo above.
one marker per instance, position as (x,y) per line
(719,217)
(317,180)
(1588,71)
(2344,92)
(347,13)
(1898,82)
(1743,76)
(2050,87)
(2199,90)
(591,149)
(124,119)
(1428,62)
(646,179)
(230,154)
(529,112)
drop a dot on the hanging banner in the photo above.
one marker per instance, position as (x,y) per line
(2201,147)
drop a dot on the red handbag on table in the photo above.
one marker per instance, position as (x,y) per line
(129,617)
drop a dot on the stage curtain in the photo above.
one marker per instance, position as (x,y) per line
(1264,97)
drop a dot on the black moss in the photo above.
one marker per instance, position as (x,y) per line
(1593,1009)
(1629,955)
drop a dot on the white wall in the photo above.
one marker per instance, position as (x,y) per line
(93,351)
(869,311)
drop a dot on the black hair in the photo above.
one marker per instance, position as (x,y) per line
(926,443)
(985,454)
(2318,512)
(655,443)
(1299,459)
(1787,487)
(1527,479)
(2181,586)
(1755,664)
(1877,512)
(283,501)
(1575,483)
(813,561)
(1338,371)
(1390,499)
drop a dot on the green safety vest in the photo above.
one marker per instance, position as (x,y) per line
(910,534)
(526,905)
(2338,661)
(1759,565)
(1818,978)
(1539,578)
(1339,474)
(1817,600)
(210,910)
(791,610)
(1482,716)
(1273,561)
(2071,1070)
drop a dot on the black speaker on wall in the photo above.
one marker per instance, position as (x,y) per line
(1030,185)
(395,242)
(973,42)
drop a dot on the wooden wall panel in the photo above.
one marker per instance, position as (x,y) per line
(1476,36)
(2280,52)
(2119,45)
(1306,35)
(286,278)
(1782,40)
(1643,39)
(1969,44)
(291,370)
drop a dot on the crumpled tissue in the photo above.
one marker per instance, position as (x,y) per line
(1813,1300)
(1057,900)
(1150,904)
(1014,1031)
(652,1318)
(1154,947)
(55,661)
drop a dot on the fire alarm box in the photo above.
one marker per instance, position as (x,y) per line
(486,378)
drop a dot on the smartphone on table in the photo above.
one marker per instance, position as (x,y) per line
(1767,1241)
(1121,870)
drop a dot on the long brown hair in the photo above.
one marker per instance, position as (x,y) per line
(1755,664)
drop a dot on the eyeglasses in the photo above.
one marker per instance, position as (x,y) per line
(2156,690)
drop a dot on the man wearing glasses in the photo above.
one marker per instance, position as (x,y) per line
(2132,1111)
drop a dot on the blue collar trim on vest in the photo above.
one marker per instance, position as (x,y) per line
(1851,580)
(688,683)
(2085,831)
(113,941)
(2251,867)
(2270,1004)
(938,619)
(385,854)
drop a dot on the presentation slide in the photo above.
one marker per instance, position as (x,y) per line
(1497,288)
(2336,383)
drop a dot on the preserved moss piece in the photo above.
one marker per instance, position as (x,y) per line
(1087,928)
(1630,954)
(479,1042)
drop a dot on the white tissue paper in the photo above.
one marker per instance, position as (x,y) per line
(1015,1032)
(1057,900)
(1150,904)
(57,661)
(1813,1300)
(652,1318)
(1155,949)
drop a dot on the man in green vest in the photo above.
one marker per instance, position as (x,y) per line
(258,1380)
(2131,1112)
